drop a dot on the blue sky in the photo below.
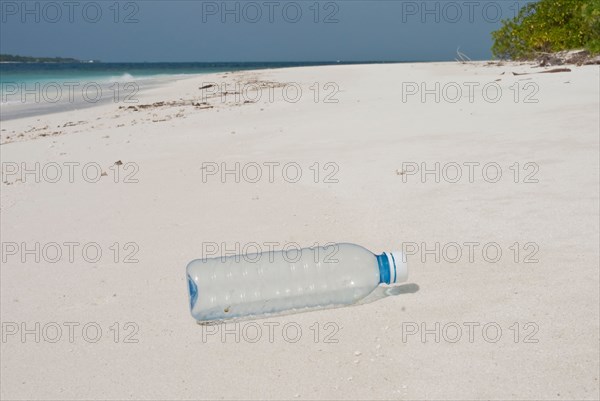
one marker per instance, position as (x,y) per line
(347,30)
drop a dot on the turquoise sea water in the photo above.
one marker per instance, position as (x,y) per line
(31,73)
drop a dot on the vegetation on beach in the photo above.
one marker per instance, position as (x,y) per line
(6,58)
(549,26)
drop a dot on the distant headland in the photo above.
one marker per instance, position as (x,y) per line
(9,58)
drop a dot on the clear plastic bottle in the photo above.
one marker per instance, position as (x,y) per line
(279,282)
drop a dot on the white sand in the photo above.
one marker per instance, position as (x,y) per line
(369,134)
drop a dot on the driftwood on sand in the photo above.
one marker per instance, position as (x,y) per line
(544,72)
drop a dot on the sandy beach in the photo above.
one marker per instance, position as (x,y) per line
(485,174)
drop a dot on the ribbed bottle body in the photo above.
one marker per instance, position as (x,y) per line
(278,281)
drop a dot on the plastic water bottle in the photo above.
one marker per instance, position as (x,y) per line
(281,282)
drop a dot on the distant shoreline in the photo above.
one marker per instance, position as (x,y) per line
(49,62)
(11,58)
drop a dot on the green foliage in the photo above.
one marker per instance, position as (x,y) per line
(549,26)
